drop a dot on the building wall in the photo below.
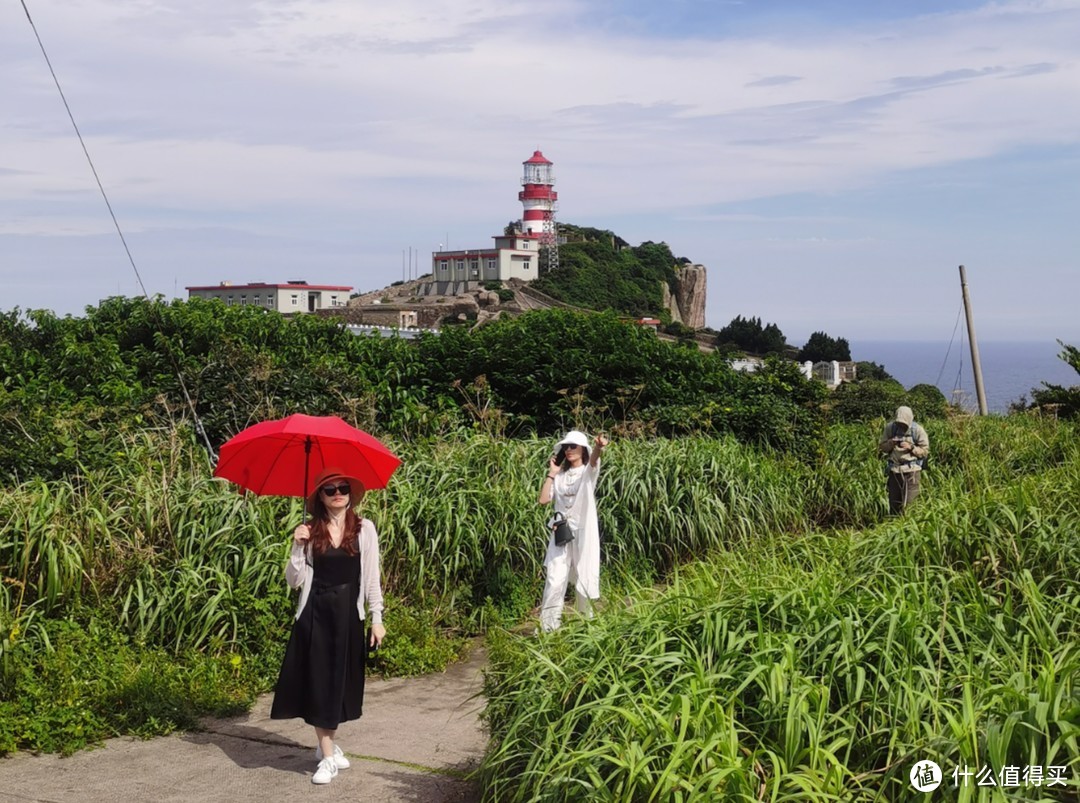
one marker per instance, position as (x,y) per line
(280,299)
(482,266)
(237,296)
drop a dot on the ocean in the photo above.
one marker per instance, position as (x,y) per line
(1010,369)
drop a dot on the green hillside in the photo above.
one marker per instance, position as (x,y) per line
(599,270)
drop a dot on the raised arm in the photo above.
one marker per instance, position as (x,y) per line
(598,447)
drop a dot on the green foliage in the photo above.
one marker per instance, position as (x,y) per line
(821,667)
(187,574)
(97,682)
(581,234)
(680,331)
(748,335)
(553,370)
(870,399)
(421,643)
(871,370)
(72,388)
(598,274)
(928,400)
(820,347)
(1065,402)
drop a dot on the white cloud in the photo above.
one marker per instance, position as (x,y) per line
(284,115)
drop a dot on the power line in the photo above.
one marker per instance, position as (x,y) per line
(119,231)
(949,349)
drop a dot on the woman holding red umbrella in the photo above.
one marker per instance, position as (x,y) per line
(335,563)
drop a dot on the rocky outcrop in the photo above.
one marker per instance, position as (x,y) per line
(486,316)
(689,296)
(670,304)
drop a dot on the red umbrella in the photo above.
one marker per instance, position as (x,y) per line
(275,458)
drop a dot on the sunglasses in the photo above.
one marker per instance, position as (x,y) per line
(333,490)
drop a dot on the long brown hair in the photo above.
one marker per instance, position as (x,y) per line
(320,529)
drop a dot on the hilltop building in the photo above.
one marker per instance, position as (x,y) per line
(516,254)
(831,372)
(295,295)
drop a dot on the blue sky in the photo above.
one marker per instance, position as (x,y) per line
(830,163)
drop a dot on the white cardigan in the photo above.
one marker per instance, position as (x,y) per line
(299,573)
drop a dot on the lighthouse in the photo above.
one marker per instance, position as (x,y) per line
(538,196)
(539,201)
(522,252)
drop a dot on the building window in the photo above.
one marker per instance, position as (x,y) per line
(443,264)
(295,300)
(333,301)
(256,299)
(491,264)
(269,301)
(243,299)
(461,264)
(229,300)
(526,264)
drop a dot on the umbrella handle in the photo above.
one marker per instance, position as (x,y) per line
(307,457)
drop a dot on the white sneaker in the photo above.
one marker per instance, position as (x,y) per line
(339,757)
(326,771)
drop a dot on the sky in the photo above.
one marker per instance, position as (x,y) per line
(831,163)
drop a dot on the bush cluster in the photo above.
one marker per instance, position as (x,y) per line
(599,271)
(69,387)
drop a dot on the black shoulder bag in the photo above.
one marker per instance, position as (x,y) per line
(561,529)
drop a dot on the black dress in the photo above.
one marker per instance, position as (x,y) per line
(322,675)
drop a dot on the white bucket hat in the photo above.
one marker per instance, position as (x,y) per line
(575,437)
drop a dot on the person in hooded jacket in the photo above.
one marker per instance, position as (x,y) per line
(571,485)
(334,562)
(905,445)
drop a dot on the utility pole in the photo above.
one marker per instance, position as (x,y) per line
(975,364)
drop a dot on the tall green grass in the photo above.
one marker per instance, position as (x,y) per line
(822,665)
(153,554)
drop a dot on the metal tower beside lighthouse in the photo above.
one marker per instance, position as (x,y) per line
(539,200)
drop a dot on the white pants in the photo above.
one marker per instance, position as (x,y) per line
(559,574)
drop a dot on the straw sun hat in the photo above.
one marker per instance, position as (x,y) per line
(335,475)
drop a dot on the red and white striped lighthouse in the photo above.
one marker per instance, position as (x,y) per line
(539,199)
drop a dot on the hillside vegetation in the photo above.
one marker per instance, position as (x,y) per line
(766,631)
(600,271)
(70,386)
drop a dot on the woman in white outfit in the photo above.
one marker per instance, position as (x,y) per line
(571,485)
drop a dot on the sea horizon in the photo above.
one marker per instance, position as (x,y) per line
(1010,368)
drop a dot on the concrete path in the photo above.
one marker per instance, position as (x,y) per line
(417,740)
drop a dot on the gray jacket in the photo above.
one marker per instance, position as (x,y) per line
(904,461)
